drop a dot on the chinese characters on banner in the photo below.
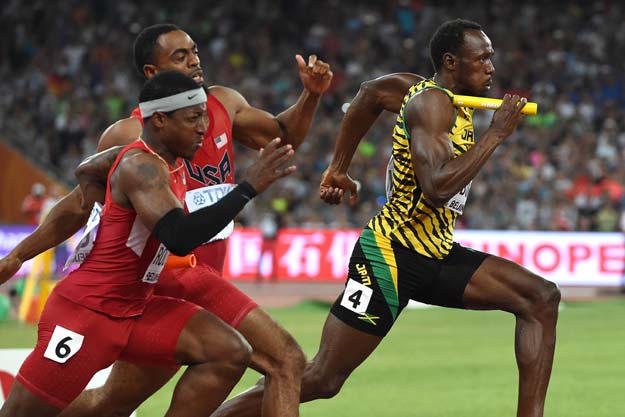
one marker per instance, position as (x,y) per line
(321,255)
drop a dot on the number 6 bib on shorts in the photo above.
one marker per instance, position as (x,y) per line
(73,343)
(63,344)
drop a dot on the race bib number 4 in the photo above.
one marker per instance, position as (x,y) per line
(63,344)
(207,196)
(356,296)
(457,202)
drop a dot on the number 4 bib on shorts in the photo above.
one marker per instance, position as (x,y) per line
(356,296)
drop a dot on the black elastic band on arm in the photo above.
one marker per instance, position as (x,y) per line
(181,232)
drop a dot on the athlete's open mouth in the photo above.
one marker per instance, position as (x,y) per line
(198,76)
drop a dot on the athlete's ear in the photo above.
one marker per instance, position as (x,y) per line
(158,119)
(450,61)
(149,70)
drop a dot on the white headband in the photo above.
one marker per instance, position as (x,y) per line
(171,103)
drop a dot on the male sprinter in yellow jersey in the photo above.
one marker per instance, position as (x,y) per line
(407,251)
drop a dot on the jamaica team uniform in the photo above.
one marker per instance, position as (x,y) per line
(209,173)
(406,251)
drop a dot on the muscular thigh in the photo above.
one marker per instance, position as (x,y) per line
(454,272)
(73,344)
(173,332)
(205,287)
(155,333)
(499,284)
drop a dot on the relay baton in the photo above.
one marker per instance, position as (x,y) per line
(490,103)
(174,261)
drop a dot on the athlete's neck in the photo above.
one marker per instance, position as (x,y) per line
(446,81)
(158,147)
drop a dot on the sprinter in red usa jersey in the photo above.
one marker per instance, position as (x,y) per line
(230,118)
(105,310)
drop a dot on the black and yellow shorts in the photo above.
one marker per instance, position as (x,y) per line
(384,275)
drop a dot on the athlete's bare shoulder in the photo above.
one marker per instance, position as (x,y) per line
(388,91)
(137,172)
(431,108)
(230,98)
(400,80)
(122,132)
(222,92)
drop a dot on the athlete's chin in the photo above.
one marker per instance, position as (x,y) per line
(190,154)
(199,79)
(481,91)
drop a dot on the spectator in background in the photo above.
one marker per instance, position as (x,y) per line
(65,89)
(33,203)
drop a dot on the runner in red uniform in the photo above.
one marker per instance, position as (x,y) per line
(276,354)
(211,166)
(106,309)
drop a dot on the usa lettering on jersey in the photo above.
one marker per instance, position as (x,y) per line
(209,174)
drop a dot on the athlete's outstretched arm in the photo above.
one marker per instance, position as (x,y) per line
(428,118)
(63,220)
(383,93)
(255,128)
(142,181)
(71,212)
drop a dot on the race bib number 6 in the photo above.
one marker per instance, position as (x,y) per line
(63,344)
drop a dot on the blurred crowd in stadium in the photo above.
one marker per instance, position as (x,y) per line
(67,73)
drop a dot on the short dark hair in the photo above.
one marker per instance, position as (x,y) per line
(449,37)
(145,42)
(165,84)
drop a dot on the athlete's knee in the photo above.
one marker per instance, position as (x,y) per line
(231,350)
(242,352)
(103,404)
(97,402)
(289,360)
(321,383)
(544,299)
(235,351)
(550,297)
(117,411)
(294,358)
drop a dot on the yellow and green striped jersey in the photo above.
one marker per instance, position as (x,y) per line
(408,217)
